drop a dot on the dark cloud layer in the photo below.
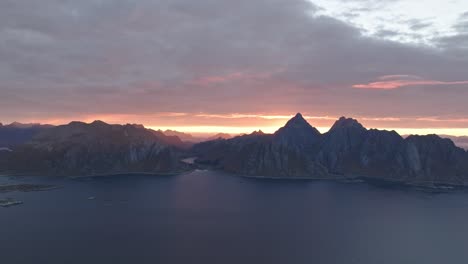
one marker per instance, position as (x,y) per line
(72,58)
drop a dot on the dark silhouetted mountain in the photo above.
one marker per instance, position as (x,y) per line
(18,133)
(435,159)
(339,145)
(287,153)
(297,150)
(298,133)
(346,150)
(98,148)
(344,123)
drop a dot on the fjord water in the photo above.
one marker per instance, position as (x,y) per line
(209,217)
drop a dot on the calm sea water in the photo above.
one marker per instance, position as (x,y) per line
(207,217)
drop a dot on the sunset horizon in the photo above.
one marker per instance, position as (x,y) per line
(203,124)
(208,70)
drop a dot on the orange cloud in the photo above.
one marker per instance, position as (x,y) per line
(436,119)
(389,82)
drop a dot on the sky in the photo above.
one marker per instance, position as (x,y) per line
(236,66)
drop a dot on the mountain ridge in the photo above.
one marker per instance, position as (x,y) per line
(347,150)
(82,149)
(296,150)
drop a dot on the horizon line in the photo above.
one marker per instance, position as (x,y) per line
(208,130)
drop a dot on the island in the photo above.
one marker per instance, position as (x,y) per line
(9,202)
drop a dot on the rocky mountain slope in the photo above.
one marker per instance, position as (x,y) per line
(98,148)
(347,150)
(461,142)
(17,133)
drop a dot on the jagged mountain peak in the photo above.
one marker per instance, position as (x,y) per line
(257,133)
(298,115)
(136,125)
(345,122)
(297,121)
(297,131)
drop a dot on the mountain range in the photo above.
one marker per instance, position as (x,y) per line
(347,150)
(297,150)
(80,149)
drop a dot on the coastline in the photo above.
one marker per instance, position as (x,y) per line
(110,174)
(154,174)
(425,185)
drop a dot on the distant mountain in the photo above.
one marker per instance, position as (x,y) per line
(183,136)
(98,148)
(462,142)
(170,140)
(18,133)
(26,125)
(218,136)
(188,138)
(347,150)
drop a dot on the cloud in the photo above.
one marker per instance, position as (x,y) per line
(390,82)
(464,15)
(72,59)
(457,42)
(417,24)
(240,76)
(385,33)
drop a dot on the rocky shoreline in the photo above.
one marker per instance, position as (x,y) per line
(22,187)
(26,188)
(429,187)
(8,202)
